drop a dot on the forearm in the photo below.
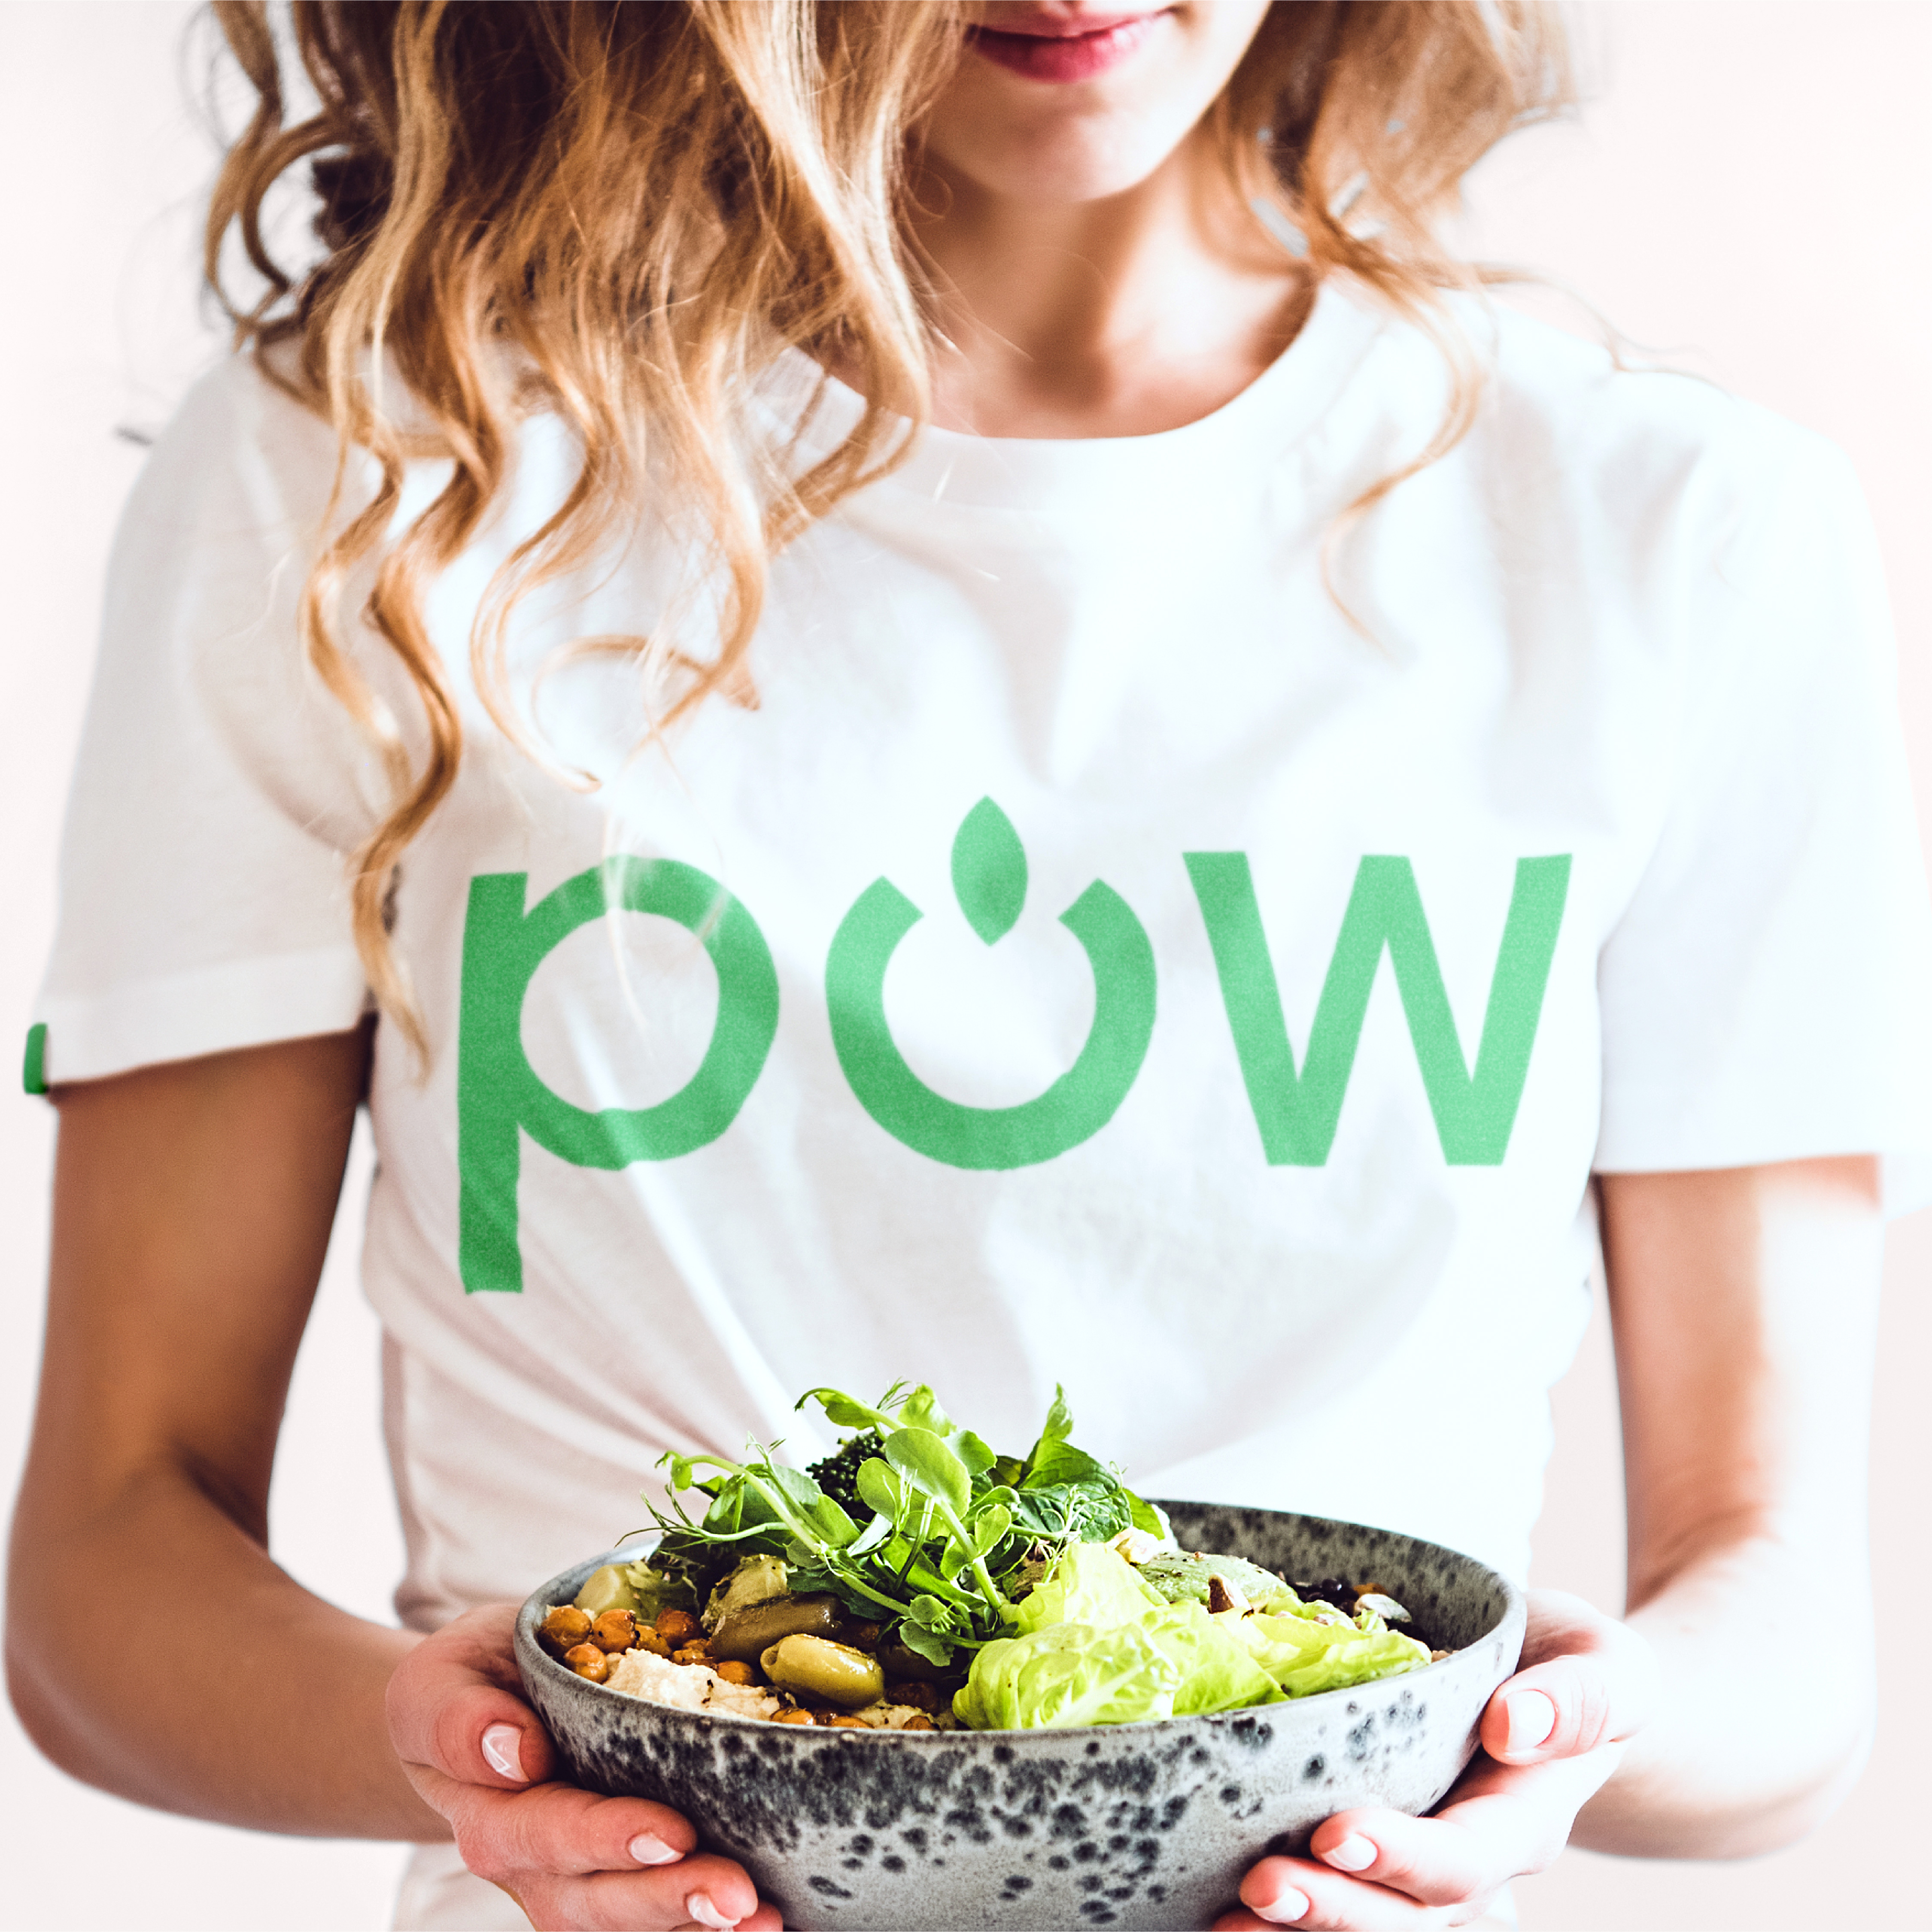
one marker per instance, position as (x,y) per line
(155,1651)
(1763,1711)
(1744,1303)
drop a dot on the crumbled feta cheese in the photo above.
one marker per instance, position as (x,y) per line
(688,1687)
(896,1717)
(1137,1547)
(1387,1608)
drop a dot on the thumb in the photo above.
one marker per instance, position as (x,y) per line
(1591,1685)
(450,1707)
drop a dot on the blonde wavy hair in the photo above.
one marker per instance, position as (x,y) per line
(623,211)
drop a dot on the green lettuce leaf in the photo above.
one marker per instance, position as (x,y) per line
(1069,1674)
(1359,1661)
(1089,1584)
(1099,1647)
(1304,1657)
(1217,1672)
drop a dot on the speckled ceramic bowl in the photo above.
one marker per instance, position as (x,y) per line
(1133,1825)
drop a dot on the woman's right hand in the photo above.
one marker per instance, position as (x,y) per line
(476,1753)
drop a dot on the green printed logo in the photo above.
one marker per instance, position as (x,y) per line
(498,1092)
(990,881)
(34,1063)
(1297,1113)
(500,1097)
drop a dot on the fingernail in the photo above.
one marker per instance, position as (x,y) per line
(649,1851)
(701,1909)
(503,1745)
(1353,1854)
(1529,1718)
(1285,1910)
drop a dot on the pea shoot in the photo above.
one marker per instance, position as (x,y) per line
(919,1526)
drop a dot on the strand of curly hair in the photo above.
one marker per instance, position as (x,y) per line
(624,214)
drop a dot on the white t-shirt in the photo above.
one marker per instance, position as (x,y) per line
(1071,968)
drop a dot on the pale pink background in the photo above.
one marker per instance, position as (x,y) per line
(1751,191)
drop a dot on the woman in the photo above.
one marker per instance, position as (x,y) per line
(1310,612)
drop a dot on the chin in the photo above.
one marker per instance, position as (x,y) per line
(1063,165)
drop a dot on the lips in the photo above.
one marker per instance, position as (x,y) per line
(1061,48)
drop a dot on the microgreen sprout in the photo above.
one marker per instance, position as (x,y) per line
(953,1529)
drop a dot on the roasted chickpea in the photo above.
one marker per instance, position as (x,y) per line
(845,1722)
(733,1672)
(615,1631)
(696,1651)
(563,1627)
(794,1717)
(587,1661)
(677,1627)
(920,1722)
(647,1639)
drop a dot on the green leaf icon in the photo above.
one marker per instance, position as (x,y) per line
(990,878)
(988,871)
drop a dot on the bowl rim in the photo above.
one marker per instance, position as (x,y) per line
(528,1650)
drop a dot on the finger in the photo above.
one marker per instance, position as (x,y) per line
(1516,1823)
(559,1829)
(1569,1705)
(765,1919)
(451,1706)
(709,1892)
(1295,1891)
(1450,1864)
(1272,1894)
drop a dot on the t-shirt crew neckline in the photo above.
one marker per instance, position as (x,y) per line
(1218,452)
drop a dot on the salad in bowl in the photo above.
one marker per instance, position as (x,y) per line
(919,1580)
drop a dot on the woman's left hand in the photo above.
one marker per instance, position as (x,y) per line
(1551,1736)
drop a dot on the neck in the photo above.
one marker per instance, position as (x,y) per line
(1126,316)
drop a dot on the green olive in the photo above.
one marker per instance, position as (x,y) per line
(835,1672)
(606,1589)
(747,1634)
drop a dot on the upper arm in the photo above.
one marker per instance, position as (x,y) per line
(193,1203)
(1744,1302)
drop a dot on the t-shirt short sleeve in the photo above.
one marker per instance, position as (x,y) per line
(1765,994)
(203,900)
